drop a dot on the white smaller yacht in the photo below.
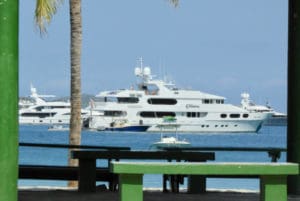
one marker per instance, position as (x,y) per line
(46,112)
(274,119)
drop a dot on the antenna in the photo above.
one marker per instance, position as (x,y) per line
(141,62)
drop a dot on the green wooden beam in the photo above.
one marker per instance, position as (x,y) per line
(293,137)
(205,168)
(9,11)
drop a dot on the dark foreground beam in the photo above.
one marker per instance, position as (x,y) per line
(293,153)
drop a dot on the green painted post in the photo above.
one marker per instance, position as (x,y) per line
(273,188)
(293,139)
(131,187)
(9,11)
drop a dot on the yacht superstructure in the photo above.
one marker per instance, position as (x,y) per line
(274,119)
(154,99)
(46,112)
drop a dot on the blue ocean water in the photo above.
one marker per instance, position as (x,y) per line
(268,136)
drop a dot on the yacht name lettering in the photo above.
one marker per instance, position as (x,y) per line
(192,106)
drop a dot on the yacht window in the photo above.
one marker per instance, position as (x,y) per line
(40,115)
(98,99)
(223,115)
(245,115)
(207,101)
(150,89)
(128,100)
(220,101)
(57,107)
(162,101)
(39,108)
(110,99)
(234,115)
(202,114)
(156,114)
(114,113)
(196,114)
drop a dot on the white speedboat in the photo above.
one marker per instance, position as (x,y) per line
(154,99)
(274,118)
(58,128)
(47,112)
(170,142)
(169,122)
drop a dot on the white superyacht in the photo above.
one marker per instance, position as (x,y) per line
(143,109)
(46,112)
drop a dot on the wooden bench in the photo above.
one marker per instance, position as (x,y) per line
(87,164)
(272,175)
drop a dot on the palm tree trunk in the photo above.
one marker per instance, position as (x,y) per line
(76,43)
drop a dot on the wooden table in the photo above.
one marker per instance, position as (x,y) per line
(87,163)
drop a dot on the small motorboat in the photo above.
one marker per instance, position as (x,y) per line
(170,142)
(58,128)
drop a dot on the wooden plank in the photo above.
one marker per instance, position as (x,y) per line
(149,155)
(45,145)
(252,149)
(274,152)
(205,168)
(59,173)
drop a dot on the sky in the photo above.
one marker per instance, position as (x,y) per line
(223,47)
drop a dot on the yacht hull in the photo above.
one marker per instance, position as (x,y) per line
(128,128)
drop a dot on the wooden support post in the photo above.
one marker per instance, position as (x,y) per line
(87,175)
(131,187)
(196,184)
(273,188)
(9,21)
(293,139)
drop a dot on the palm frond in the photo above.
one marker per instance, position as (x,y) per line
(174,2)
(44,11)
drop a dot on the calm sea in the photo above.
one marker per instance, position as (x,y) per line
(266,137)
